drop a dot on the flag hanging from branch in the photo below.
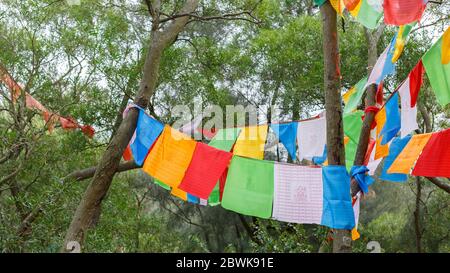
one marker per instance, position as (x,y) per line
(393,122)
(437,71)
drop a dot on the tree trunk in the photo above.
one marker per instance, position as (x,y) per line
(90,204)
(333,107)
(417,227)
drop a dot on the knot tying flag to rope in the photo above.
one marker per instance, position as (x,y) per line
(360,175)
(374,110)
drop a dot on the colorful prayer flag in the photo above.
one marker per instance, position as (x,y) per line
(393,121)
(434,161)
(380,149)
(249,187)
(408,157)
(148,130)
(397,145)
(251,141)
(170,156)
(402,12)
(409,91)
(311,137)
(205,169)
(287,134)
(366,14)
(337,204)
(353,97)
(298,194)
(438,73)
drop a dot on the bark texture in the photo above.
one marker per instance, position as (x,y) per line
(333,107)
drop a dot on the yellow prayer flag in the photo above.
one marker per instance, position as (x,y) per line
(338,6)
(408,157)
(170,157)
(348,94)
(355,234)
(251,141)
(355,11)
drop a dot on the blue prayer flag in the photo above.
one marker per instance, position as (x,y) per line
(389,66)
(337,203)
(148,130)
(393,121)
(397,146)
(287,134)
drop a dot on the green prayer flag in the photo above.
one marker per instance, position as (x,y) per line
(319,2)
(249,187)
(355,99)
(353,124)
(162,185)
(352,129)
(438,73)
(223,140)
(368,16)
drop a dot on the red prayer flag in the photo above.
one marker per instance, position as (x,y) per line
(68,123)
(402,12)
(435,158)
(127,154)
(88,130)
(206,167)
(415,82)
(369,151)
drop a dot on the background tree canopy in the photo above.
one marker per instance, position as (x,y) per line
(86,61)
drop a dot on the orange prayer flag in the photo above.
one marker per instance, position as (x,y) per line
(169,159)
(445,54)
(408,157)
(179,193)
(380,150)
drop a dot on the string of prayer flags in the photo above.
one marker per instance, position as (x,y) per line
(148,130)
(337,204)
(353,96)
(434,161)
(287,134)
(439,73)
(397,146)
(366,14)
(251,141)
(409,92)
(393,122)
(298,194)
(50,118)
(224,140)
(400,41)
(402,12)
(249,187)
(408,156)
(206,167)
(170,156)
(311,137)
